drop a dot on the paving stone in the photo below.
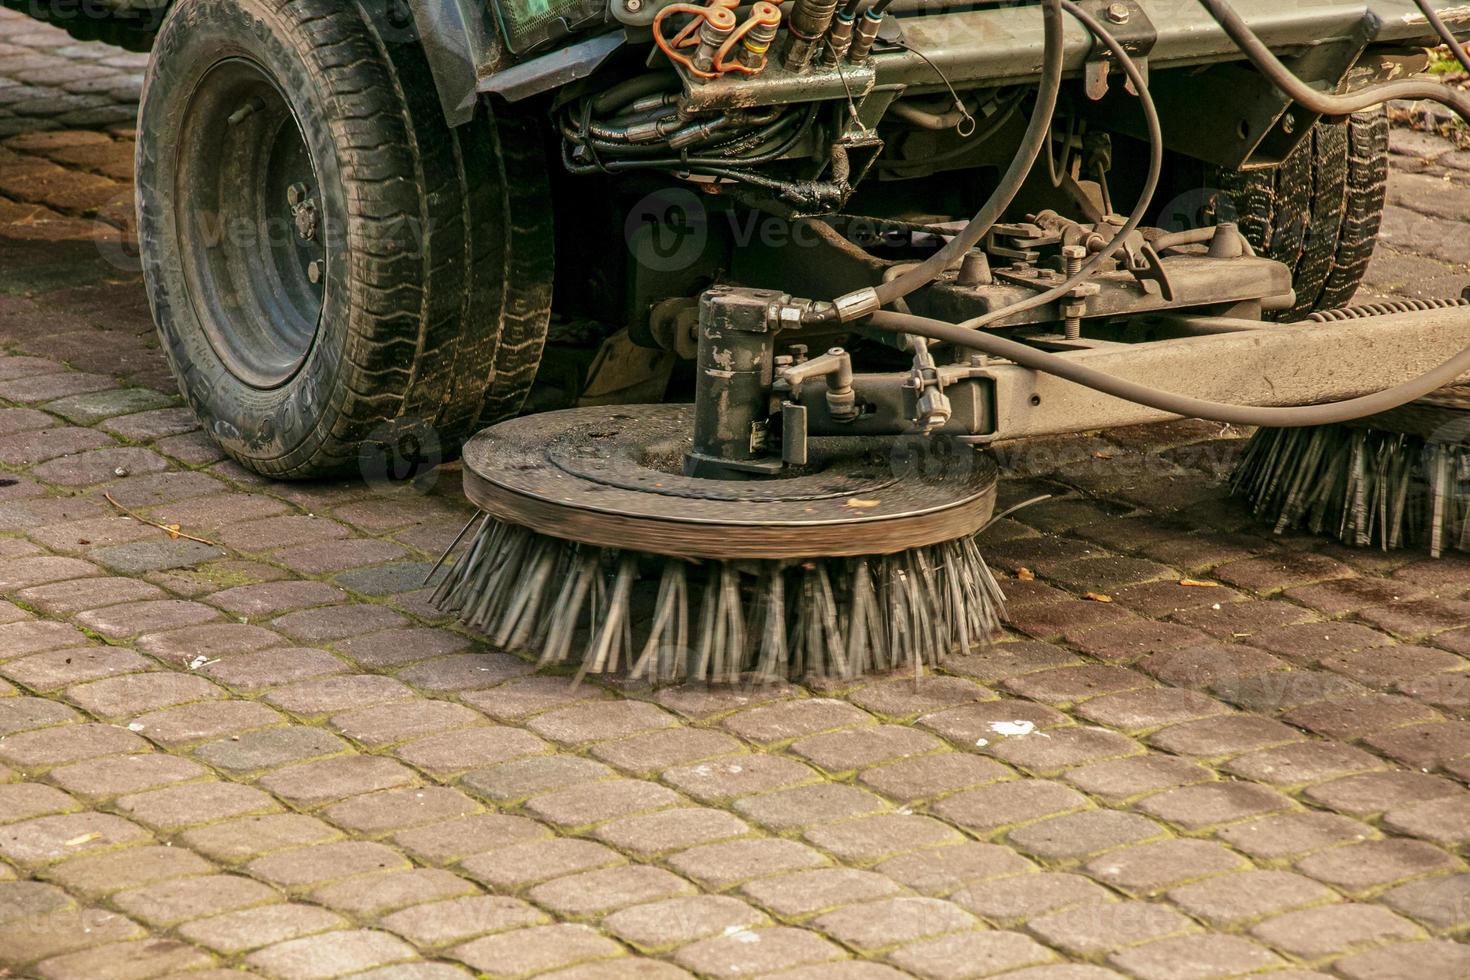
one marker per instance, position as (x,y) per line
(144,957)
(517,866)
(720,780)
(254,671)
(1194,956)
(309,785)
(1293,834)
(1330,929)
(454,840)
(1095,929)
(45,840)
(172,902)
(808,806)
(176,808)
(238,841)
(330,954)
(720,866)
(1434,958)
(1303,763)
(943,870)
(118,775)
(675,922)
(458,919)
(514,781)
(237,932)
(1076,836)
(327,695)
(993,808)
(1364,868)
(97,875)
(670,830)
(41,749)
(926,777)
(840,752)
(1439,903)
(396,809)
(320,863)
(1353,718)
(1444,821)
(1222,737)
(650,753)
(1147,868)
(869,839)
(535,950)
(970,954)
(771,949)
(386,724)
(1231,900)
(60,668)
(118,697)
(376,895)
(203,721)
(75,595)
(268,748)
(597,893)
(902,699)
(1372,793)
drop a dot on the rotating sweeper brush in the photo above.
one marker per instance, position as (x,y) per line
(803,517)
(842,566)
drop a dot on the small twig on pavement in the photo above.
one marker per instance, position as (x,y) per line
(172,529)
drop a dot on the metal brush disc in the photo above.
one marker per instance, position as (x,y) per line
(612,477)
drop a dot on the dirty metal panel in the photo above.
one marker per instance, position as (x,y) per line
(1285,364)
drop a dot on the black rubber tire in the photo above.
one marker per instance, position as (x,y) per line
(1318,212)
(438,284)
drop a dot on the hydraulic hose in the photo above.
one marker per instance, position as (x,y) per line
(1457,48)
(1037,132)
(1166,401)
(1145,196)
(1323,102)
(967,337)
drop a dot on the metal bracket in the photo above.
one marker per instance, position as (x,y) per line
(1127,21)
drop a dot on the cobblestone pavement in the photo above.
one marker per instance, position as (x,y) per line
(270,755)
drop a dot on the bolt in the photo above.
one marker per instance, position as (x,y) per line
(633,6)
(1118,13)
(314,271)
(296,193)
(1288,124)
(1072,256)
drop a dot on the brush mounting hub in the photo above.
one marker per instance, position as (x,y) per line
(612,478)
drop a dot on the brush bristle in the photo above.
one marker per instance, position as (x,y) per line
(669,619)
(1362,485)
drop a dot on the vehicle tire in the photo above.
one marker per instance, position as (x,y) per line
(1317,212)
(334,271)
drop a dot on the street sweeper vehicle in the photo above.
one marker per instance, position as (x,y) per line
(840,245)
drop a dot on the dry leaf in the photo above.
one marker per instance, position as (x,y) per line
(1195,583)
(1098,597)
(173,531)
(1025,574)
(1102,455)
(84,839)
(859,502)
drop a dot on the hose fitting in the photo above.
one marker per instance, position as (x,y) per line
(839,39)
(716,26)
(867,32)
(807,25)
(757,41)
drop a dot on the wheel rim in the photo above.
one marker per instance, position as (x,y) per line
(252,224)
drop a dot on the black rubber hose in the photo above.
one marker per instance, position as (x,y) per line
(1446,35)
(1324,102)
(1166,401)
(1145,197)
(1037,132)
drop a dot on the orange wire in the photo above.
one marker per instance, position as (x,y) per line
(663,44)
(750,22)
